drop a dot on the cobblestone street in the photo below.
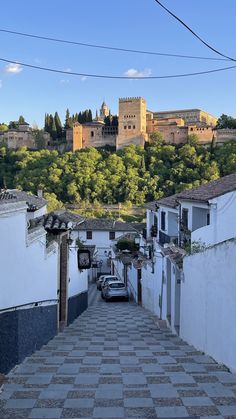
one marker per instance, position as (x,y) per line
(114,362)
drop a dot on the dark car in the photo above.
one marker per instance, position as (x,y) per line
(115,289)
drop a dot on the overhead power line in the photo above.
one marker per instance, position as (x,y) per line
(107,76)
(194,33)
(107,47)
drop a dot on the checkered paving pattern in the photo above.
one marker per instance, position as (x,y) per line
(114,362)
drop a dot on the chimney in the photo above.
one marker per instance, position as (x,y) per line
(40,193)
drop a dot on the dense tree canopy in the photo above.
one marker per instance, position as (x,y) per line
(132,174)
(226,121)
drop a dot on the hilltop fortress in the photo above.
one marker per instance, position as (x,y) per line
(136,124)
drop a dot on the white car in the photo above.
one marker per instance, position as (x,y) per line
(114,290)
(106,280)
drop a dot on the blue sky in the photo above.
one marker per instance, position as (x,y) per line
(138,24)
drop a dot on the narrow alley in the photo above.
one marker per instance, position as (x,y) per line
(114,362)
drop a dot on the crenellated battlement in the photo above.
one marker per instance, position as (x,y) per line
(129,99)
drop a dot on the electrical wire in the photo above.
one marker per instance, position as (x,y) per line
(64,41)
(194,33)
(107,76)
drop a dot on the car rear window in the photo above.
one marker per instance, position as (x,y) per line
(117,285)
(111,278)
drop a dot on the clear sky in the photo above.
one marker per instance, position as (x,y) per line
(137,24)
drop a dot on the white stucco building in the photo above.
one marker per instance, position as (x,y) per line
(190,291)
(28,281)
(197,218)
(42,288)
(101,233)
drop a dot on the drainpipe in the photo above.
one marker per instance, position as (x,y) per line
(179,227)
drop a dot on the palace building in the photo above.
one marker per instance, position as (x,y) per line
(137,124)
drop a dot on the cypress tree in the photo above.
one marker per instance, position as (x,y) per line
(90,115)
(21,120)
(54,130)
(80,118)
(58,125)
(68,121)
(45,122)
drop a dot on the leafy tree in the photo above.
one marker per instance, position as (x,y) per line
(192,139)
(107,120)
(3,127)
(92,177)
(226,121)
(114,121)
(13,125)
(53,203)
(39,139)
(156,139)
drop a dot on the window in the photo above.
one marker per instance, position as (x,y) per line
(118,285)
(92,134)
(208,219)
(129,126)
(89,235)
(185,218)
(133,126)
(112,235)
(163,220)
(125,126)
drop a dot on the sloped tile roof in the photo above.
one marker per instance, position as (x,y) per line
(169,201)
(107,224)
(211,189)
(14,195)
(202,193)
(57,221)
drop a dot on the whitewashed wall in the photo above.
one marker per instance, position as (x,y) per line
(223,221)
(171,220)
(38,213)
(78,280)
(28,272)
(118,268)
(208,309)
(133,282)
(151,286)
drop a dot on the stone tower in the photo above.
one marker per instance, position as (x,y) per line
(77,142)
(104,111)
(132,122)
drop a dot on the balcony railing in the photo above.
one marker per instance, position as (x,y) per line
(165,238)
(154,231)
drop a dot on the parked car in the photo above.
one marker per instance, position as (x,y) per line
(99,282)
(106,281)
(102,278)
(115,289)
